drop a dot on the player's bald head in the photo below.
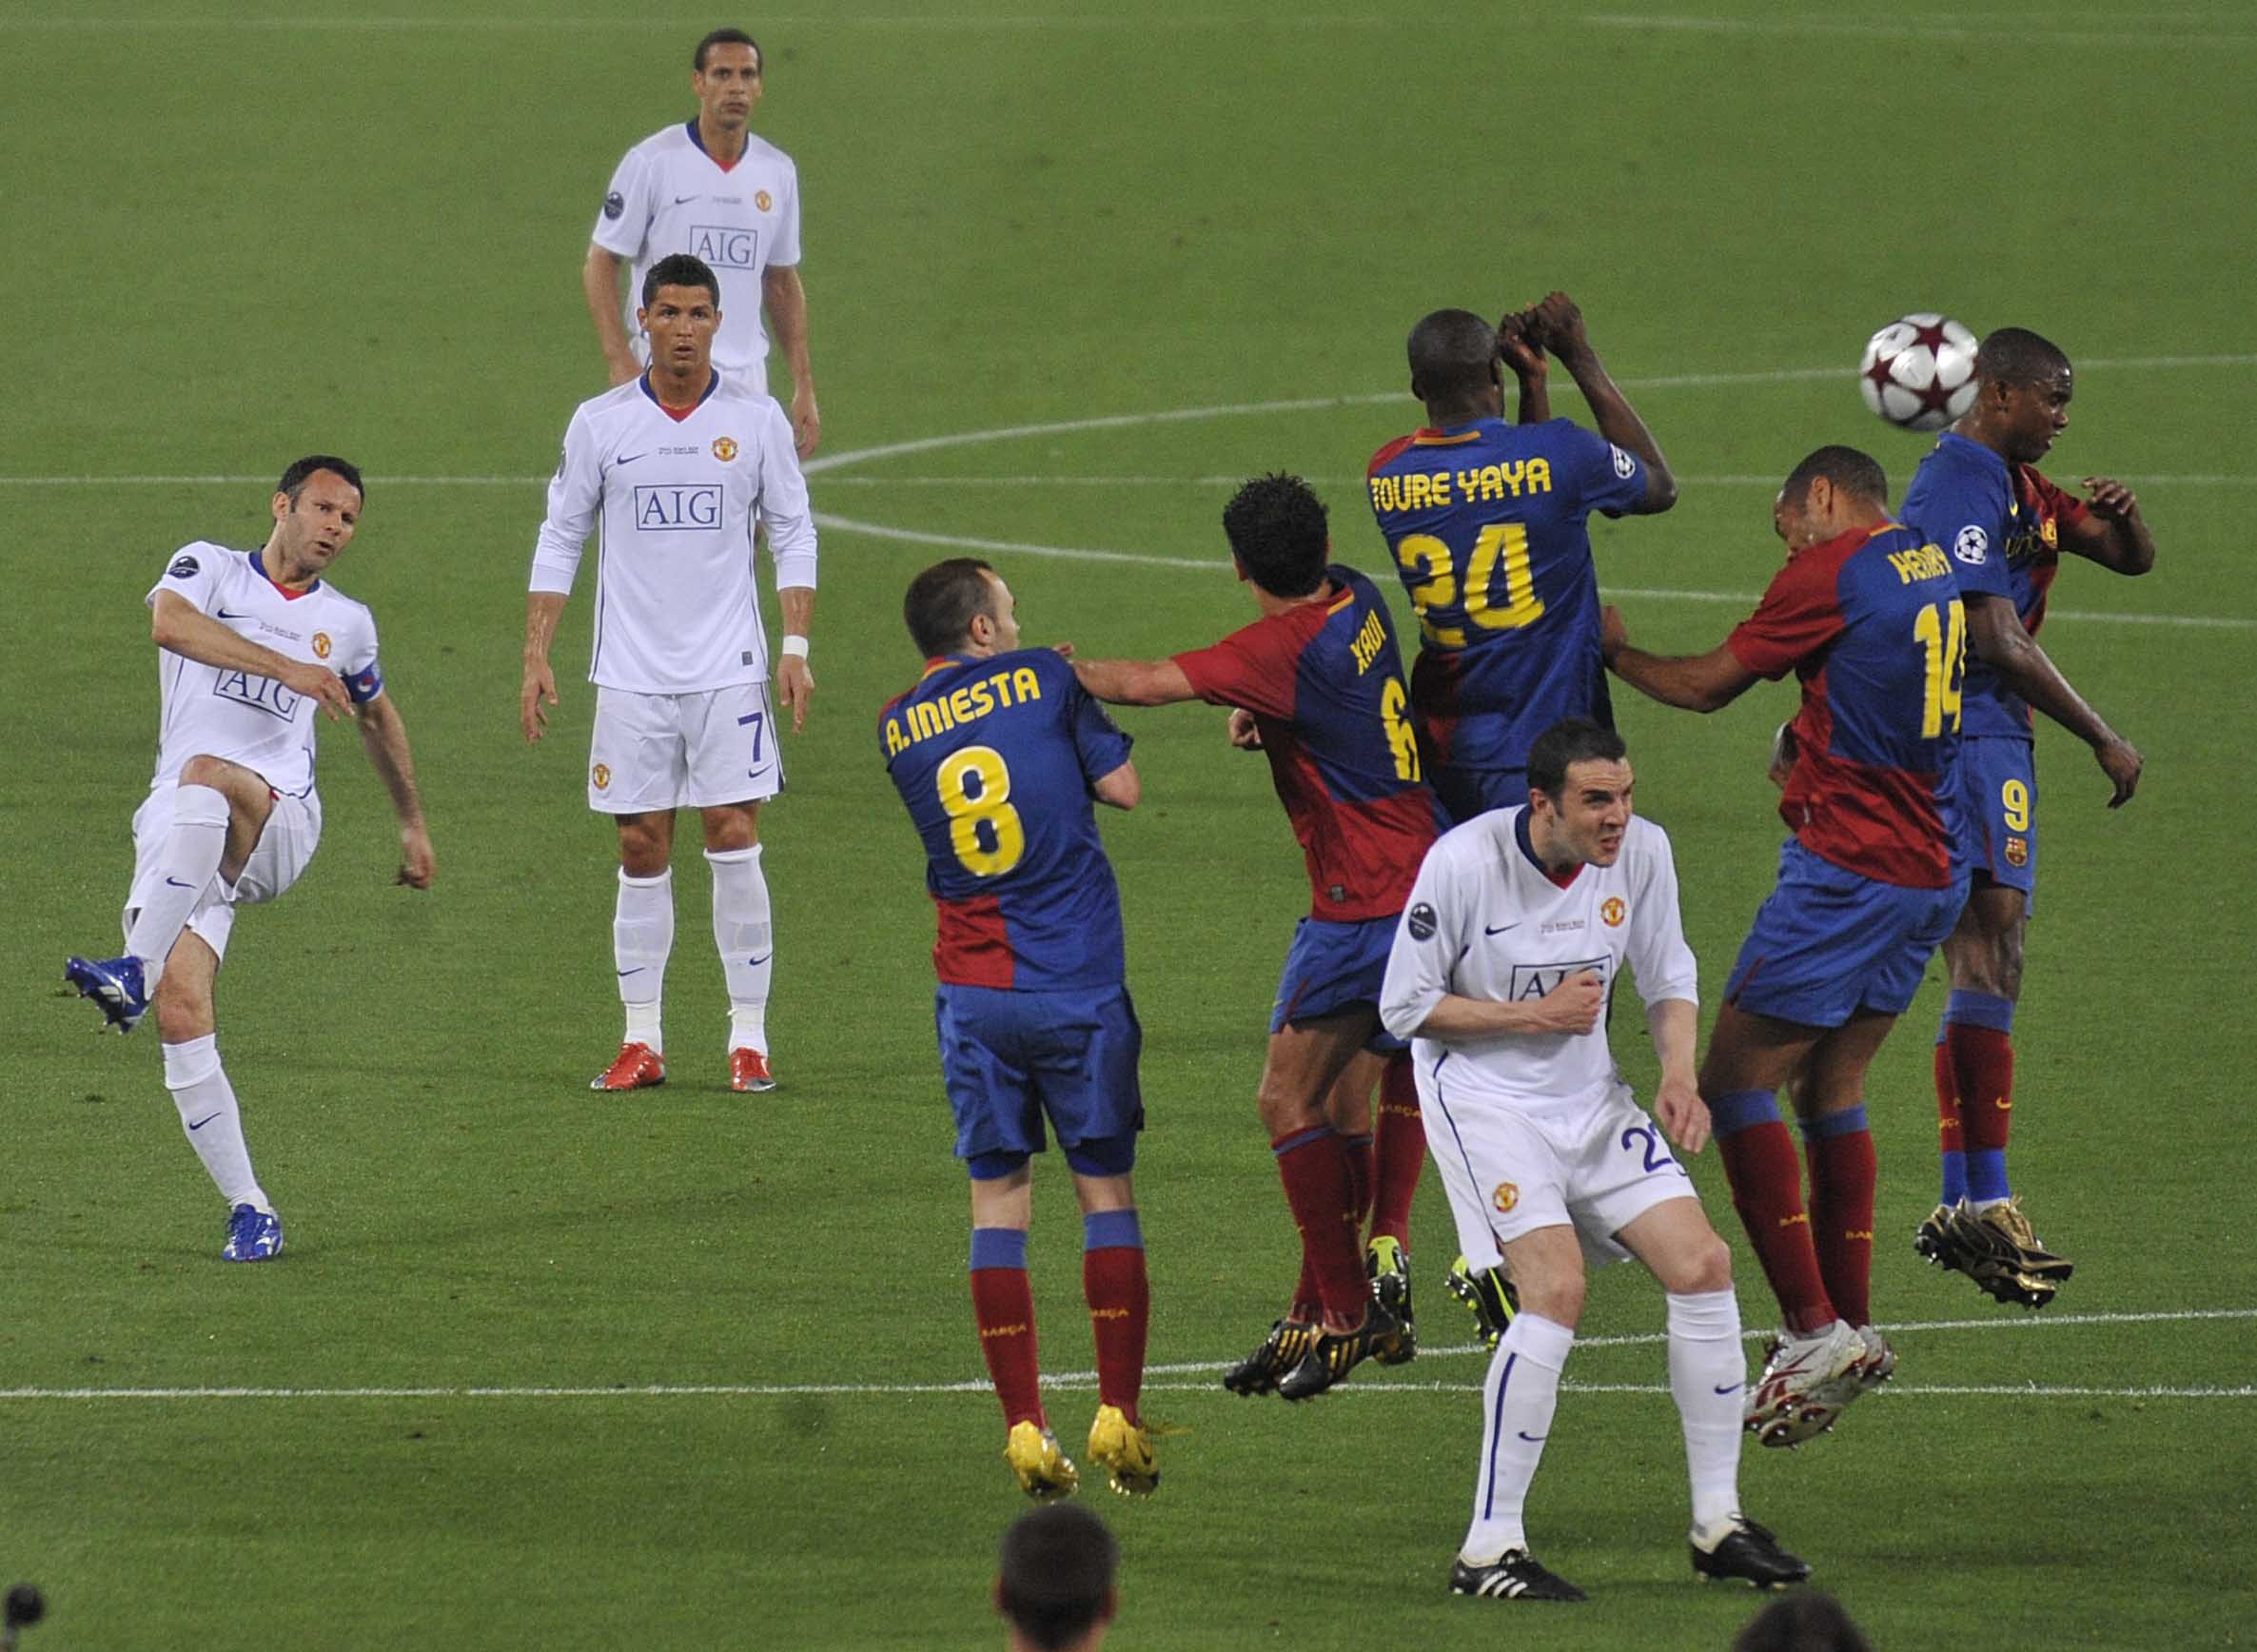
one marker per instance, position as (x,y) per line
(943,600)
(1453,356)
(2019,356)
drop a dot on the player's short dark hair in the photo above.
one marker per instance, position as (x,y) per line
(294,480)
(1453,353)
(1057,1572)
(728,37)
(680,270)
(1855,472)
(1277,530)
(943,602)
(2019,356)
(1571,741)
(1806,1620)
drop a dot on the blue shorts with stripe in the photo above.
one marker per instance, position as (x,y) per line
(1828,943)
(1333,966)
(1998,810)
(1010,1061)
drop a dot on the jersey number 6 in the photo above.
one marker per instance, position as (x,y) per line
(975,790)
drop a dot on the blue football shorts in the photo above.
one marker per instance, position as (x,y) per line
(1828,943)
(1333,966)
(1011,1060)
(1998,808)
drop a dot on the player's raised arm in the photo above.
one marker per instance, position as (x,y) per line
(1995,632)
(2110,530)
(1523,353)
(1559,325)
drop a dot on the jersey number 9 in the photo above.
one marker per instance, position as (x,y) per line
(984,829)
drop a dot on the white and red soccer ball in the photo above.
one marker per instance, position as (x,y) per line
(1919,372)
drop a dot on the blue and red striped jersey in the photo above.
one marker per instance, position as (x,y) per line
(1871,622)
(2002,523)
(1487,522)
(994,759)
(1325,683)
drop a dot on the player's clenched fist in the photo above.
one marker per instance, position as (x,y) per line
(1573,1006)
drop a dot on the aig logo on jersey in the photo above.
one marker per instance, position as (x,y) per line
(678,507)
(1532,981)
(1612,911)
(724,448)
(723,245)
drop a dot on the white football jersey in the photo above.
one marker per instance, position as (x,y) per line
(210,711)
(675,611)
(1485,921)
(669,195)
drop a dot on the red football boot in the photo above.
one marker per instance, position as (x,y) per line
(748,1069)
(638,1066)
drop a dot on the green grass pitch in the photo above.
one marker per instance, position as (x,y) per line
(241,232)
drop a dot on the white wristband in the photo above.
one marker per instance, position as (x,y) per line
(795,645)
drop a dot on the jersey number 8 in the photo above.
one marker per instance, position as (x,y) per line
(984,829)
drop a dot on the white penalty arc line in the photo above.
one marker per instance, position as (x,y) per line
(1066,1381)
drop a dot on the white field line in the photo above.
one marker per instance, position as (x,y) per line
(1022,481)
(627,21)
(2163,36)
(1074,1381)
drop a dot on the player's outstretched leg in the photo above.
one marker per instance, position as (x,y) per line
(114,984)
(1003,1308)
(643,940)
(1119,1293)
(744,933)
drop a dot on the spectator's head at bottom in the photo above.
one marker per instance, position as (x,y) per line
(1055,1583)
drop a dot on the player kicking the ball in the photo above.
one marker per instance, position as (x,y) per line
(1507,956)
(250,646)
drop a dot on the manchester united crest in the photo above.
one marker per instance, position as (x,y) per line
(724,448)
(1506,1196)
(320,645)
(600,774)
(1612,911)
(763,200)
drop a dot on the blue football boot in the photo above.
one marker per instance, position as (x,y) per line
(253,1235)
(114,984)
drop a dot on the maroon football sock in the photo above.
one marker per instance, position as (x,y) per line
(1843,1173)
(1983,1062)
(1316,1178)
(1767,1191)
(1950,1135)
(1003,1307)
(1120,1298)
(1357,1151)
(1402,1155)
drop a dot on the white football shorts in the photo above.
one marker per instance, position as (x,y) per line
(292,832)
(671,751)
(1509,1170)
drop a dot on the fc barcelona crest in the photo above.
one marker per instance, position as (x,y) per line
(2017,852)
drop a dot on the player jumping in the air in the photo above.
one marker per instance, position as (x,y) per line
(1487,522)
(1868,617)
(1320,676)
(1980,496)
(997,751)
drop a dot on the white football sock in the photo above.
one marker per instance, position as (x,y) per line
(641,941)
(208,1114)
(1708,1374)
(1517,1402)
(194,846)
(742,931)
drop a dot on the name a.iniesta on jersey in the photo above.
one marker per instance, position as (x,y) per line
(928,718)
(1440,489)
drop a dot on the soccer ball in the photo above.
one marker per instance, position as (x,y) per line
(1918,372)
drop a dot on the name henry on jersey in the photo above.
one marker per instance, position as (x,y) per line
(924,718)
(1924,564)
(1441,489)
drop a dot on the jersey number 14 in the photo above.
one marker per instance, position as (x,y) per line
(1942,630)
